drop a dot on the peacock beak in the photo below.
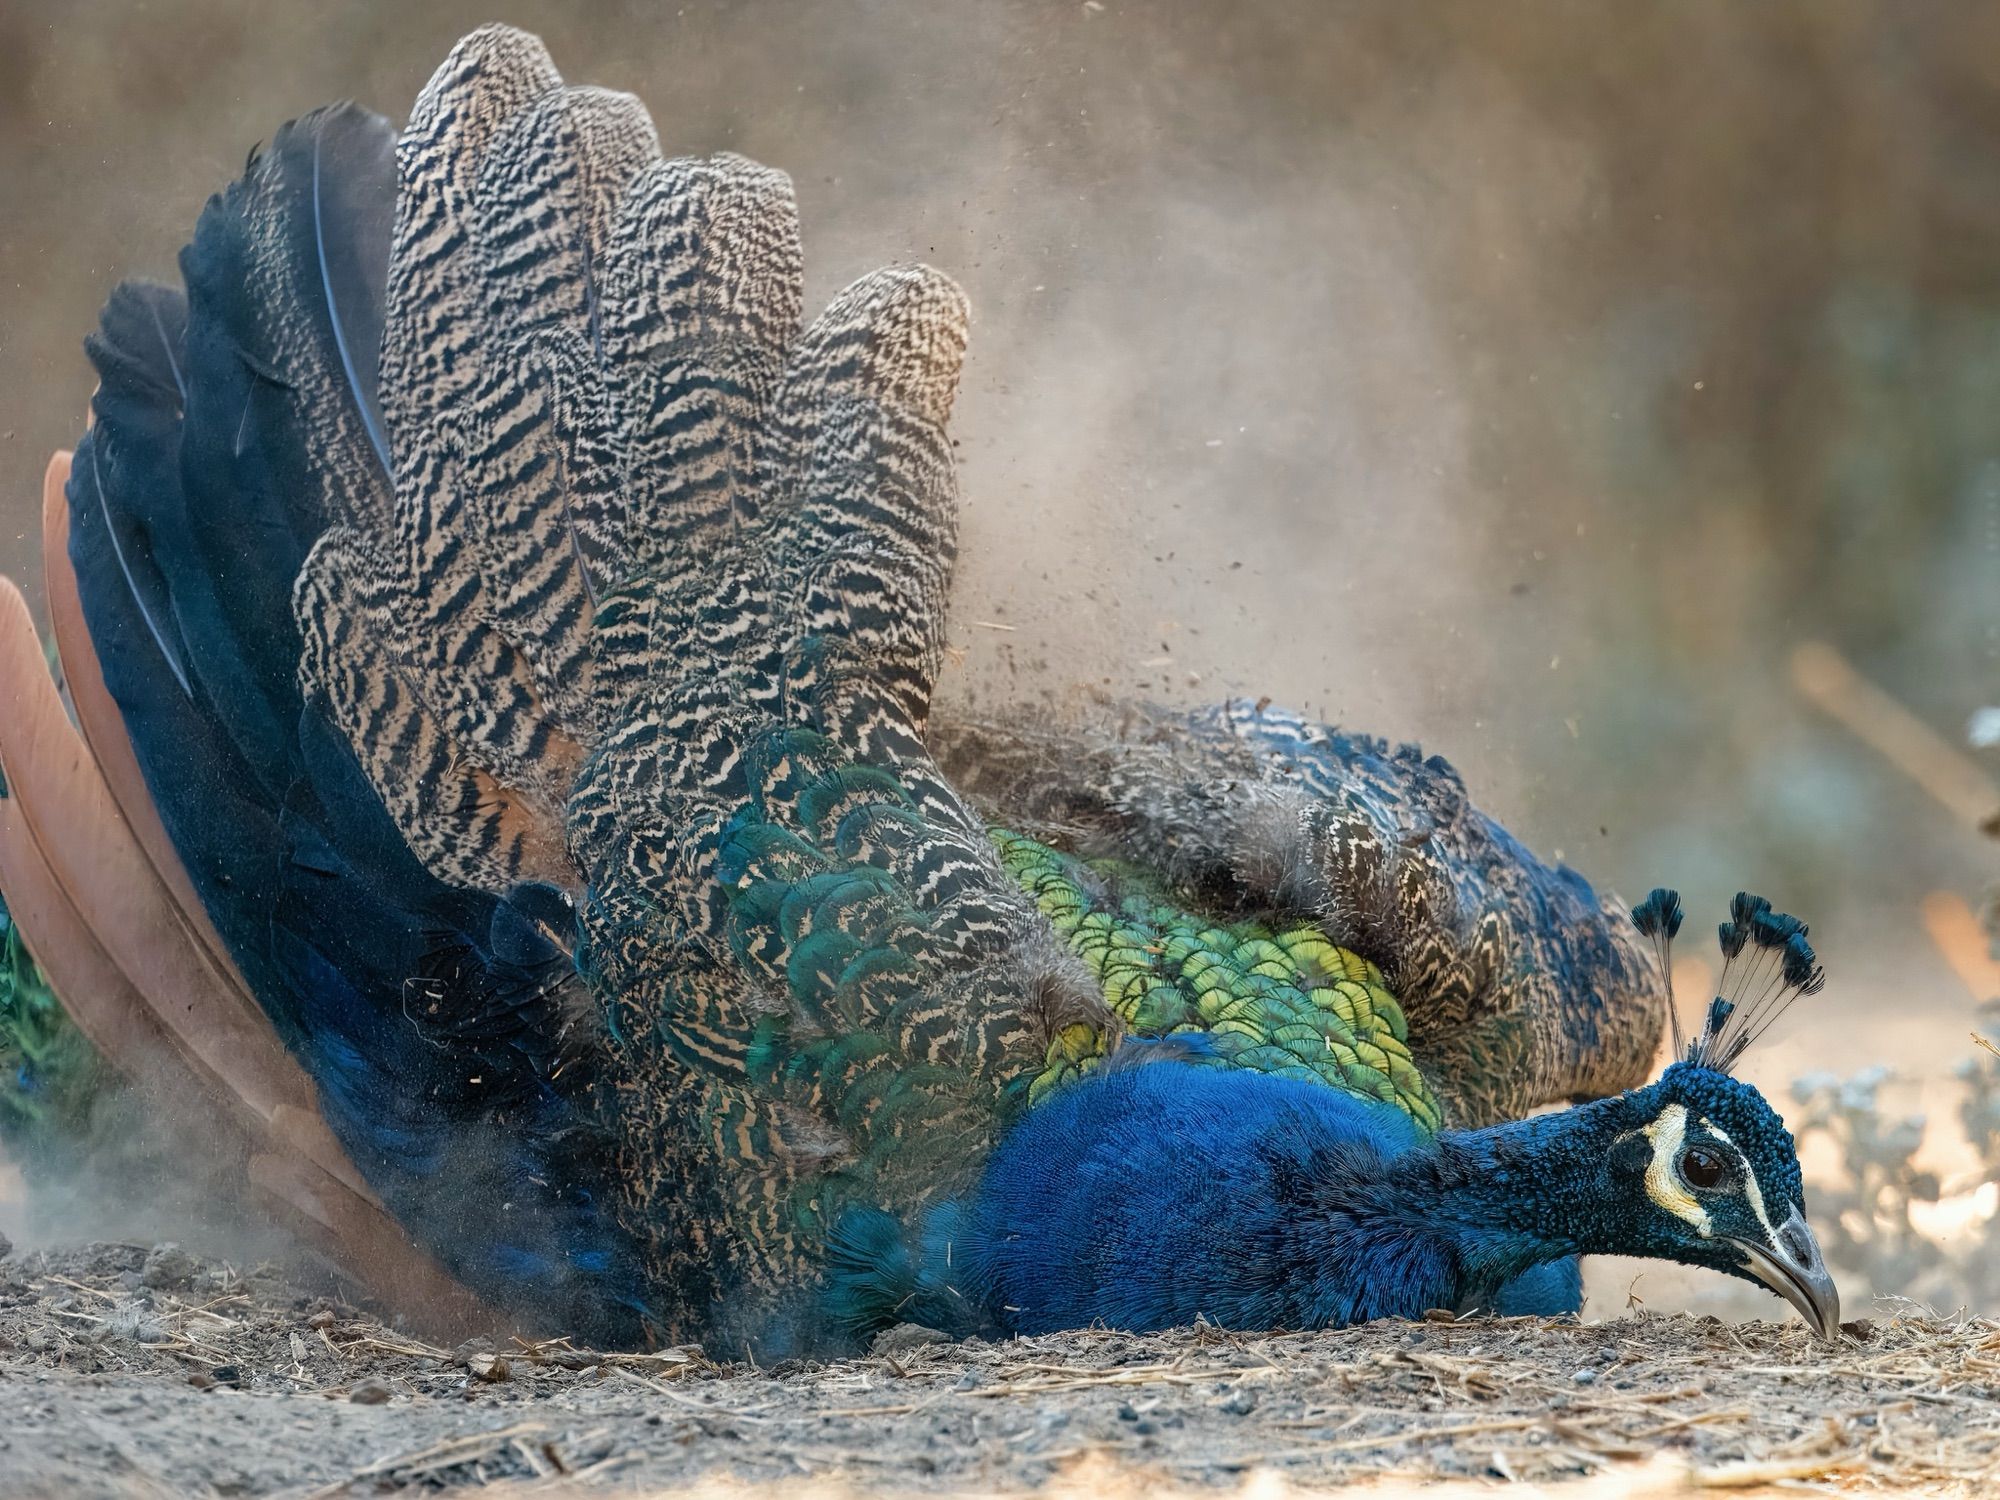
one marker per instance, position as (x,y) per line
(1792,1268)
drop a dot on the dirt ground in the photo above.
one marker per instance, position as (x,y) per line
(133,1370)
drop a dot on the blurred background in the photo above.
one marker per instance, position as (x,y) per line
(1607,397)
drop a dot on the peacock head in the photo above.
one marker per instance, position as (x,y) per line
(1705,1170)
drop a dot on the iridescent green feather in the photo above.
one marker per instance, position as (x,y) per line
(1277,998)
(50,1075)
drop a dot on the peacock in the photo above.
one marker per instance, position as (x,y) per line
(502,804)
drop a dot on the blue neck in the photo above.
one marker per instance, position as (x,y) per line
(1504,1199)
(1144,1197)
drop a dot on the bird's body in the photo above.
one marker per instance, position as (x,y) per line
(504,640)
(1279,1203)
(1283,1204)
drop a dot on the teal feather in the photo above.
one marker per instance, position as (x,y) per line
(51,1077)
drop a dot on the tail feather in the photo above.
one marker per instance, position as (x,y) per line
(273,398)
(69,813)
(93,989)
(104,730)
(110,749)
(138,348)
(87,896)
(353,212)
(359,1236)
(237,438)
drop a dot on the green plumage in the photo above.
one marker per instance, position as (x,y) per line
(1275,998)
(50,1075)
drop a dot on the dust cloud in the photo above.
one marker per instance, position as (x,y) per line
(1527,380)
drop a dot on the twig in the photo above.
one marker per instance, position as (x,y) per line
(1955,930)
(1750,1473)
(661,1388)
(1830,682)
(448,1454)
(97,1292)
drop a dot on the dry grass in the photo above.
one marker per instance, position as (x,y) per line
(241,1384)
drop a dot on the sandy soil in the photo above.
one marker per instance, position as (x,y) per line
(138,1370)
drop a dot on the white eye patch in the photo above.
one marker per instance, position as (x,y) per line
(1751,1190)
(1667,1134)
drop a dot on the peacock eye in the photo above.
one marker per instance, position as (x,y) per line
(1701,1168)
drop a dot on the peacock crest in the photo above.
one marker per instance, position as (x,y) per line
(1752,992)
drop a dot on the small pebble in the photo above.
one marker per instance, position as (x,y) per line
(1585,1377)
(168,1266)
(1240,1404)
(320,1319)
(370,1392)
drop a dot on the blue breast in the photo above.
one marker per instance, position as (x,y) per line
(1143,1197)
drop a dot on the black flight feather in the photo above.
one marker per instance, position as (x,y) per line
(213,451)
(141,393)
(1659,918)
(354,210)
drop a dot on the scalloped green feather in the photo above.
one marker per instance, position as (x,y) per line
(50,1074)
(1278,999)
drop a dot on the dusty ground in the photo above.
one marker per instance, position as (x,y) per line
(135,1370)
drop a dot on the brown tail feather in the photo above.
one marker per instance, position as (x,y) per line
(110,747)
(104,728)
(69,811)
(313,1203)
(322,1211)
(94,991)
(96,911)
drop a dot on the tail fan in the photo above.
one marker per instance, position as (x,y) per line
(233,427)
(530,722)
